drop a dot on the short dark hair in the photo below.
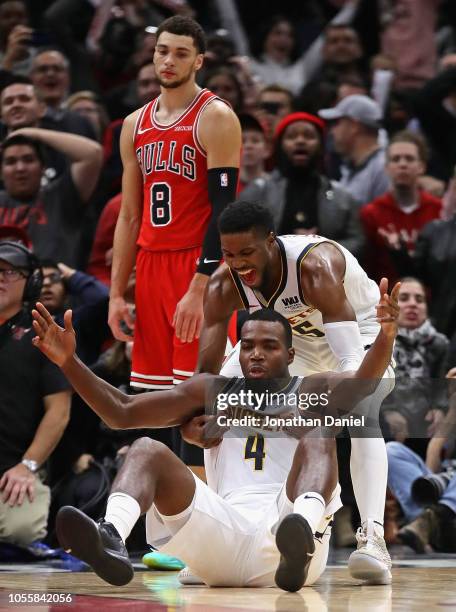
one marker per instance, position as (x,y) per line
(24,2)
(276,88)
(241,216)
(184,26)
(263,30)
(412,138)
(340,26)
(22,140)
(230,74)
(272,316)
(250,123)
(49,263)
(16,79)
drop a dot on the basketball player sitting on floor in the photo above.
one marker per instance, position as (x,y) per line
(330,303)
(275,524)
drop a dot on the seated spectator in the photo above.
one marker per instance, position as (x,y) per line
(16,49)
(34,402)
(355,123)
(225,84)
(255,151)
(341,53)
(143,90)
(64,287)
(416,405)
(403,210)
(435,527)
(20,107)
(434,263)
(341,73)
(86,104)
(435,107)
(88,439)
(302,200)
(274,103)
(126,99)
(52,215)
(51,78)
(350,86)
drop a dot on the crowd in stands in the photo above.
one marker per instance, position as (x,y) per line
(348,114)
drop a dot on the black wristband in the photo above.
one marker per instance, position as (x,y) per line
(221,185)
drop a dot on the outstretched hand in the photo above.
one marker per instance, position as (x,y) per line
(388,308)
(57,343)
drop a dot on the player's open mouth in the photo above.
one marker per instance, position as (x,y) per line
(247,276)
(257,372)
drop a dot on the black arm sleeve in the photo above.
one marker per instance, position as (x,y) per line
(222,184)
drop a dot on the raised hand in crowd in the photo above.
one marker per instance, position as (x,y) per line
(17,46)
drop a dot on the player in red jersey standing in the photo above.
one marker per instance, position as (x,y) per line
(180,154)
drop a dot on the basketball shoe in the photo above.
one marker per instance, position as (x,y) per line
(186,576)
(98,544)
(371,561)
(295,541)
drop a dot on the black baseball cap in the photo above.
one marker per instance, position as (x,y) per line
(15,254)
(250,122)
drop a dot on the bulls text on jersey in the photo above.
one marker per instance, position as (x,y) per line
(157,156)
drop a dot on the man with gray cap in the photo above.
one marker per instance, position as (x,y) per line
(34,402)
(354,124)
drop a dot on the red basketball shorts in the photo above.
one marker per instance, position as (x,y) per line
(160,359)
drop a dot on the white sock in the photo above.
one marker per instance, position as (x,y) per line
(369,472)
(175,522)
(371,527)
(312,507)
(122,511)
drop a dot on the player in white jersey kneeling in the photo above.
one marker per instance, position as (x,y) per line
(329,302)
(276,528)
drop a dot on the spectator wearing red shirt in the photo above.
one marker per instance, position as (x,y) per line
(399,214)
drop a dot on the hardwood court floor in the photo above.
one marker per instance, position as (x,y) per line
(414,588)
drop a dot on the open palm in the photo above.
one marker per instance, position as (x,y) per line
(57,343)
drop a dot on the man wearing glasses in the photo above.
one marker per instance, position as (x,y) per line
(34,403)
(65,287)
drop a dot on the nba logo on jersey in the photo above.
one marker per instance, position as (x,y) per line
(224,179)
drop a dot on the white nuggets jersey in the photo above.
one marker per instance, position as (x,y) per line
(250,460)
(309,340)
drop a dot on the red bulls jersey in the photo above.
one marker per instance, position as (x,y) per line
(176,207)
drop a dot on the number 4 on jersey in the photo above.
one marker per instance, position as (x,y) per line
(254,449)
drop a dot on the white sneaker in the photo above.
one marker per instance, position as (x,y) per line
(371,561)
(185,576)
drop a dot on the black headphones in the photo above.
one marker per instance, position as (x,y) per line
(34,283)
